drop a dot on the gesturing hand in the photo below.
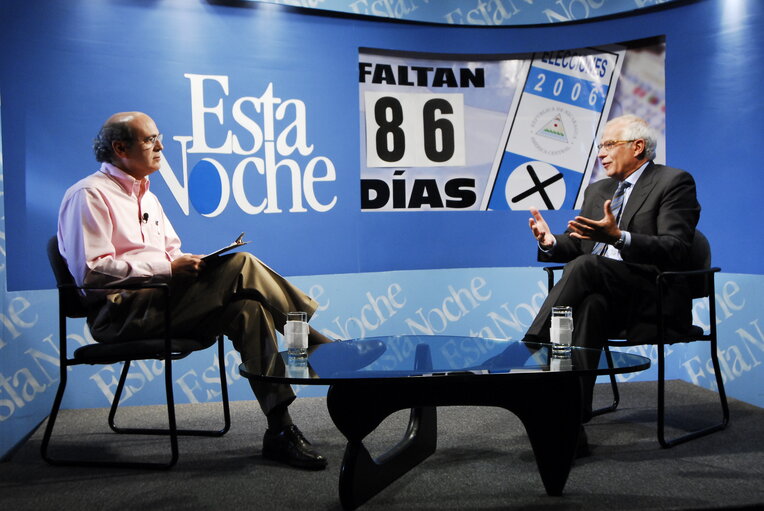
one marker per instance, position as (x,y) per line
(540,229)
(605,230)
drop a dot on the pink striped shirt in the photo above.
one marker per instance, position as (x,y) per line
(112,229)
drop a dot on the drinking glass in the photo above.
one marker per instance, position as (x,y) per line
(296,334)
(561,331)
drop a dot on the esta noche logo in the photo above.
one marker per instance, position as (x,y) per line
(244,169)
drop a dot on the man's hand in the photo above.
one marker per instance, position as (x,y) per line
(187,266)
(605,230)
(541,230)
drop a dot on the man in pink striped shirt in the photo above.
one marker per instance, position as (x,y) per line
(112,230)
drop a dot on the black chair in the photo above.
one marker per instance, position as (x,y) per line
(166,349)
(701,282)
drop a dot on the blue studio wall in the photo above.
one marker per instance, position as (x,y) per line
(66,66)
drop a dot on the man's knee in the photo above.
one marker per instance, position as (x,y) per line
(246,263)
(231,266)
(238,260)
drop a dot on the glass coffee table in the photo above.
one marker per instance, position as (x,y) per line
(372,378)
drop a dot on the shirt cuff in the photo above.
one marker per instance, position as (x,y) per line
(550,249)
(161,271)
(626,235)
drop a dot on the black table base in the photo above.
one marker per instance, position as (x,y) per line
(544,392)
(550,412)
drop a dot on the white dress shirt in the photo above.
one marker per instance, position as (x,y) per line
(112,229)
(611,251)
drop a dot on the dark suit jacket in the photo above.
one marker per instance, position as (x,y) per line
(661,214)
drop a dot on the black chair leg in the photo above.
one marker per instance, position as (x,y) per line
(52,420)
(662,406)
(613,386)
(720,384)
(117,396)
(63,374)
(44,448)
(172,430)
(183,432)
(223,390)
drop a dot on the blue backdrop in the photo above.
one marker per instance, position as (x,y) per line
(483,13)
(66,66)
(65,72)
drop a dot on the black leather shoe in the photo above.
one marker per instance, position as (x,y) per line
(289,446)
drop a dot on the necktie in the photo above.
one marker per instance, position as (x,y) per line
(615,206)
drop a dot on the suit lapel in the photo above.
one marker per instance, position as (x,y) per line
(605,192)
(641,190)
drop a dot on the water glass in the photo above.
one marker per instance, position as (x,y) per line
(296,334)
(561,330)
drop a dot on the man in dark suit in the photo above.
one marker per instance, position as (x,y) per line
(609,278)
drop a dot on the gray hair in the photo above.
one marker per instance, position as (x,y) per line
(111,132)
(636,128)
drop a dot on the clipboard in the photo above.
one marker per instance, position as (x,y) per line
(238,242)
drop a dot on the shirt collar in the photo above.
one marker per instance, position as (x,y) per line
(634,176)
(128,183)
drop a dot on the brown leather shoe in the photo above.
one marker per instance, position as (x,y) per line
(290,446)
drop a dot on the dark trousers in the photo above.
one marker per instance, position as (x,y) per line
(606,296)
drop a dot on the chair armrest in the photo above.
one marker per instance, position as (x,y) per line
(550,275)
(69,293)
(663,278)
(703,271)
(147,285)
(130,287)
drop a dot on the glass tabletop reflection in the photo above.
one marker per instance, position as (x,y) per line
(434,356)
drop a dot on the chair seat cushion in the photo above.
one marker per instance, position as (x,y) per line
(101,353)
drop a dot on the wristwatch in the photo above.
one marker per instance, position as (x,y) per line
(620,242)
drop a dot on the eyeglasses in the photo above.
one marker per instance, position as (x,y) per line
(608,145)
(151,141)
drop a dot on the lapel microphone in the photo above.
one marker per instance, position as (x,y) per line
(145,218)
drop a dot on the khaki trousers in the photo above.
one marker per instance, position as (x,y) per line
(237,295)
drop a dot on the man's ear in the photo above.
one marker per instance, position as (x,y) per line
(639,149)
(119,147)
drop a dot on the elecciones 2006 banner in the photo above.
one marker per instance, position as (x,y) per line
(444,132)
